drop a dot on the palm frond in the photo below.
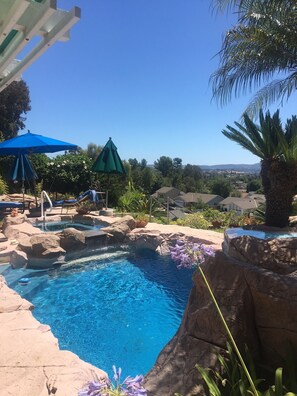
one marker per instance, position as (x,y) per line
(276,91)
(262,45)
(268,140)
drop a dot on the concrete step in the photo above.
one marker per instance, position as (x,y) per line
(95,238)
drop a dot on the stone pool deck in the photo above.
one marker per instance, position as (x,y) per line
(31,363)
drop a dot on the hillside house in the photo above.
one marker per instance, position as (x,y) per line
(167,192)
(192,198)
(239,205)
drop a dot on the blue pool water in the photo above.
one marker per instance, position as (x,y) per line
(118,309)
(61,225)
(237,232)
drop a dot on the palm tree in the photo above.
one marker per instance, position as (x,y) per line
(260,53)
(277,149)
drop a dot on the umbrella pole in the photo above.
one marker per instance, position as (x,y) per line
(23,180)
(23,191)
(35,195)
(108,181)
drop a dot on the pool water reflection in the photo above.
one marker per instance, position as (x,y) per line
(238,232)
(61,225)
(118,309)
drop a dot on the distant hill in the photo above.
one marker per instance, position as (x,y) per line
(250,168)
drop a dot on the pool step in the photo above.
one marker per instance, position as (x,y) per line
(95,238)
(12,276)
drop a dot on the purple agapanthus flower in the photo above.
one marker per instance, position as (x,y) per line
(190,255)
(131,386)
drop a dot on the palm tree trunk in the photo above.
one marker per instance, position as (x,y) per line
(279,182)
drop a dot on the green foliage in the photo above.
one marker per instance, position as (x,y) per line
(259,49)
(14,103)
(268,140)
(134,201)
(195,220)
(38,188)
(235,193)
(254,185)
(259,213)
(164,165)
(68,173)
(92,151)
(141,216)
(198,205)
(231,379)
(277,148)
(213,215)
(221,186)
(3,186)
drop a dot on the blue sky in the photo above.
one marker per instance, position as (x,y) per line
(138,71)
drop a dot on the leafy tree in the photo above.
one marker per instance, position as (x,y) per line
(177,163)
(193,171)
(254,185)
(14,102)
(143,163)
(92,151)
(260,52)
(149,179)
(235,193)
(164,165)
(188,184)
(68,174)
(221,186)
(277,148)
(134,163)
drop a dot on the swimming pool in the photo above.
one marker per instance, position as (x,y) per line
(119,308)
(237,232)
(61,225)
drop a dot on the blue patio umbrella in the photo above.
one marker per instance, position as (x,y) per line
(23,170)
(31,143)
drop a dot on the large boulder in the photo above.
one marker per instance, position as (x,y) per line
(147,240)
(18,259)
(278,255)
(259,305)
(24,243)
(46,245)
(16,231)
(11,221)
(118,232)
(120,228)
(72,239)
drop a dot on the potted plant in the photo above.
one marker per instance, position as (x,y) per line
(84,208)
(141,220)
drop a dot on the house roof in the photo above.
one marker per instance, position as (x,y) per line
(164,190)
(21,22)
(194,197)
(242,203)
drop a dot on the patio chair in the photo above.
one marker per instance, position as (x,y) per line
(91,195)
(5,206)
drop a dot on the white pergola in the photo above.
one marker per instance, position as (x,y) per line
(27,29)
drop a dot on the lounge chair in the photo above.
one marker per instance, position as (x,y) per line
(91,195)
(5,205)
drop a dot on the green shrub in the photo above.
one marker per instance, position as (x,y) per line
(195,220)
(3,187)
(230,379)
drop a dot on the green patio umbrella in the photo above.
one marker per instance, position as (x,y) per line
(109,162)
